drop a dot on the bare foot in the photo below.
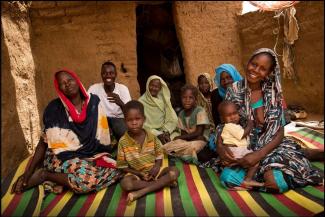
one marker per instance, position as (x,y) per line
(252,183)
(132,196)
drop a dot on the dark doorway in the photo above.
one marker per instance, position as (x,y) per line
(158,49)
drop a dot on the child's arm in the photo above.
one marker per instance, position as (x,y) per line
(197,134)
(155,169)
(248,128)
(142,175)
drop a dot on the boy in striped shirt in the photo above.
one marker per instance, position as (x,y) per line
(140,156)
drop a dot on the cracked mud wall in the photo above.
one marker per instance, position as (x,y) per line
(20,120)
(208,36)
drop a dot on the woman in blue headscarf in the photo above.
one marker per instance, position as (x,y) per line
(226,74)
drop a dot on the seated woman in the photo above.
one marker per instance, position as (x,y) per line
(282,163)
(226,74)
(75,130)
(161,119)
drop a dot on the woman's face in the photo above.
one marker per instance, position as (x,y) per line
(258,68)
(67,84)
(154,87)
(225,80)
(204,85)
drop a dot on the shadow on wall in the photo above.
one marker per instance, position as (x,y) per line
(13,144)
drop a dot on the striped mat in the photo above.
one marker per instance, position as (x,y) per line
(199,193)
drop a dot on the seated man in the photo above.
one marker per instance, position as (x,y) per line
(114,96)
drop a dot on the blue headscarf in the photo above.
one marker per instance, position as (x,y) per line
(231,70)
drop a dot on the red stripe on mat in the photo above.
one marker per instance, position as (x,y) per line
(87,204)
(160,211)
(296,208)
(321,188)
(122,204)
(52,204)
(16,199)
(194,192)
(319,145)
(241,203)
(13,204)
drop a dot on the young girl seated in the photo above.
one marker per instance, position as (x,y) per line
(140,157)
(194,125)
(234,136)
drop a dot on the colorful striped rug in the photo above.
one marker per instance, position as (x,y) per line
(199,193)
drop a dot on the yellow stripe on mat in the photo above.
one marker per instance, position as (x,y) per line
(251,203)
(6,199)
(95,204)
(206,200)
(304,202)
(37,210)
(168,209)
(59,206)
(130,209)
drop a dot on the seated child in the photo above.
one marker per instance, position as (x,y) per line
(194,124)
(140,156)
(234,136)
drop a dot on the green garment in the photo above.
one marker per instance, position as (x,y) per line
(159,113)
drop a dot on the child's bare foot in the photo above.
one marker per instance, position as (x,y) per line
(132,196)
(252,183)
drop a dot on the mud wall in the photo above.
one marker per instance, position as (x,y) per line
(20,121)
(256,31)
(80,36)
(208,36)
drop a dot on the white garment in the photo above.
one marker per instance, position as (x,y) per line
(111,109)
(232,133)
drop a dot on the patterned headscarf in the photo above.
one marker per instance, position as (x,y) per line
(231,70)
(208,77)
(240,94)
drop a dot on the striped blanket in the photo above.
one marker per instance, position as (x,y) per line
(199,193)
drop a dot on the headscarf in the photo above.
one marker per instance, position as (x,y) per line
(231,70)
(78,118)
(162,103)
(240,94)
(69,135)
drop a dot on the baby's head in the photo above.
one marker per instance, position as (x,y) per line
(228,112)
(189,95)
(134,116)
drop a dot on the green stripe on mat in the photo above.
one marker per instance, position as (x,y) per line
(277,205)
(314,191)
(227,199)
(78,205)
(319,165)
(48,199)
(311,136)
(313,132)
(112,208)
(23,203)
(184,193)
(150,204)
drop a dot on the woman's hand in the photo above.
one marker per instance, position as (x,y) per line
(250,159)
(20,184)
(226,156)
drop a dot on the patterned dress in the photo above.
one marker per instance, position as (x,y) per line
(290,167)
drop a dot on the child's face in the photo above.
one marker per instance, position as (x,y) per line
(204,85)
(188,100)
(134,121)
(230,114)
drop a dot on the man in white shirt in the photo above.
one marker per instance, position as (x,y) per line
(114,96)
